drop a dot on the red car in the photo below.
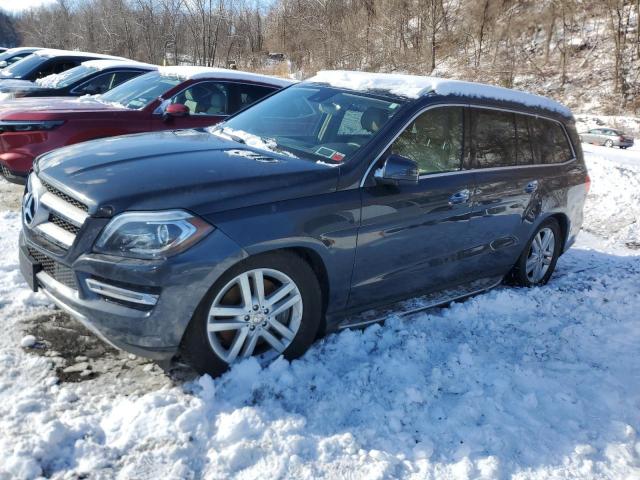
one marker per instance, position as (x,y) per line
(171,98)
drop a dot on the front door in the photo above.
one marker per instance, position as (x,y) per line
(415,238)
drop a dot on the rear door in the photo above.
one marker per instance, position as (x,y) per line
(518,175)
(415,238)
(506,183)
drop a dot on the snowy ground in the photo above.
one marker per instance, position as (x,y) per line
(514,383)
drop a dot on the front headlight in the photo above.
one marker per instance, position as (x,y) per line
(151,235)
(28,125)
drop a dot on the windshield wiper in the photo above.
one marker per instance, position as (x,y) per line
(233,136)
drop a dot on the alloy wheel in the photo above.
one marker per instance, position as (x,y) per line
(540,255)
(257,312)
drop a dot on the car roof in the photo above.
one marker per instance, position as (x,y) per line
(416,86)
(51,52)
(18,50)
(103,64)
(195,73)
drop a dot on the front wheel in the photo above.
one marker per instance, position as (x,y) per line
(267,305)
(538,260)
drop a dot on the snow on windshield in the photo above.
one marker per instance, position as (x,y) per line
(249,139)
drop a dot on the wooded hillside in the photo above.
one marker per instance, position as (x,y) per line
(583,52)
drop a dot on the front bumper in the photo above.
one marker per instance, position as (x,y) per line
(155,331)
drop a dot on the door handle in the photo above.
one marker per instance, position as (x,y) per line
(531,186)
(459,197)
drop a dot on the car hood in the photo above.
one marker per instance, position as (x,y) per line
(187,169)
(58,106)
(17,86)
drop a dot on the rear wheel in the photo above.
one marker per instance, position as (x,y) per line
(268,305)
(538,260)
(608,143)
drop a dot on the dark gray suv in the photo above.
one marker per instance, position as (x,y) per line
(314,210)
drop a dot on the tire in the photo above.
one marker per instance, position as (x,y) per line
(608,144)
(255,330)
(522,273)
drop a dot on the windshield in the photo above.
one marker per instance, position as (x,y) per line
(24,66)
(66,78)
(141,91)
(319,123)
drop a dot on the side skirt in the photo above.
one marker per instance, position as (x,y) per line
(405,308)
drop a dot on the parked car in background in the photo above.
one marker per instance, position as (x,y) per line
(90,78)
(609,137)
(346,192)
(42,63)
(13,55)
(3,49)
(170,98)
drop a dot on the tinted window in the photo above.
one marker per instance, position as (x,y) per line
(550,144)
(524,154)
(493,138)
(55,66)
(433,140)
(561,149)
(105,82)
(243,95)
(205,98)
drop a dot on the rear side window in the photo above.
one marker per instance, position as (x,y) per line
(493,138)
(433,140)
(524,149)
(549,142)
(243,95)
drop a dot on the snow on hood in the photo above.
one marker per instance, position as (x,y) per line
(193,73)
(414,86)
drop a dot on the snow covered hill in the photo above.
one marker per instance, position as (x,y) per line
(515,383)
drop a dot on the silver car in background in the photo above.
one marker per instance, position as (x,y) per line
(609,137)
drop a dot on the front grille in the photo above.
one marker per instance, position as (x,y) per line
(53,190)
(5,171)
(64,224)
(56,270)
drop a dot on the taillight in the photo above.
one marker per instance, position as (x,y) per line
(621,139)
(587,183)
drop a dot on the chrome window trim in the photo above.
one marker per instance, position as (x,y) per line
(471,105)
(119,293)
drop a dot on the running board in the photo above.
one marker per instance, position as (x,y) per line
(419,304)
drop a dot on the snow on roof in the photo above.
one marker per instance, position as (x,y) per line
(193,73)
(414,86)
(15,50)
(102,64)
(52,52)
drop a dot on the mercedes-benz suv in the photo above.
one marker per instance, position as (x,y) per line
(316,209)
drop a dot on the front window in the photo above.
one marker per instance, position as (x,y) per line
(319,123)
(66,78)
(136,94)
(24,66)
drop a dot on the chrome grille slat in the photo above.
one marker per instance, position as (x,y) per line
(76,203)
(56,216)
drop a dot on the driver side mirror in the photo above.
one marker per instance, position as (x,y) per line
(397,170)
(175,110)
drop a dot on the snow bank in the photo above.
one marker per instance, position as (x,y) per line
(414,86)
(517,383)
